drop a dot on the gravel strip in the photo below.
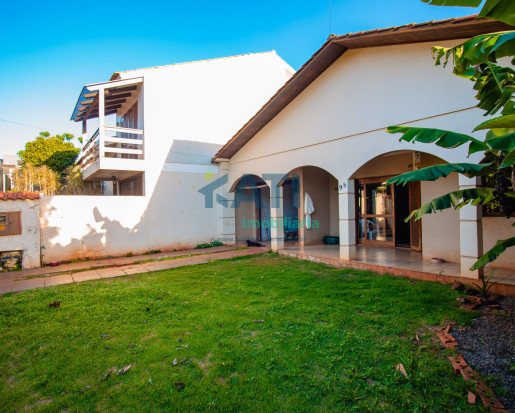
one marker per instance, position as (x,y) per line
(489,346)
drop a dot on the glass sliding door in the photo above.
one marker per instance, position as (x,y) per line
(375,205)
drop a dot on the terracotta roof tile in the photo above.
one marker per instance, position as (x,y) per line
(5,196)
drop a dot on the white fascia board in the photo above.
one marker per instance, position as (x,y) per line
(114,83)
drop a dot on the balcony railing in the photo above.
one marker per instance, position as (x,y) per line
(113,142)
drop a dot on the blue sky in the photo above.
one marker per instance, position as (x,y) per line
(49,50)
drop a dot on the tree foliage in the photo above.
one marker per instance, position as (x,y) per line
(73,184)
(502,10)
(55,152)
(36,178)
(477,60)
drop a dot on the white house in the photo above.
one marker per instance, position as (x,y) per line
(324,133)
(153,133)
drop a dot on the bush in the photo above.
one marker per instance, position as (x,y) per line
(209,245)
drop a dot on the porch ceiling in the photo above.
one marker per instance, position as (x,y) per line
(107,175)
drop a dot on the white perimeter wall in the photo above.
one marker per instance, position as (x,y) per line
(28,241)
(97,226)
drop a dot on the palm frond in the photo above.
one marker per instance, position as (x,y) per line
(455,199)
(432,173)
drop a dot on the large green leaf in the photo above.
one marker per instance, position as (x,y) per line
(502,143)
(488,48)
(505,121)
(442,138)
(502,10)
(463,3)
(494,253)
(455,199)
(494,85)
(432,173)
(477,50)
(509,160)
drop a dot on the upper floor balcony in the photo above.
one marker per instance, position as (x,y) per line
(111,152)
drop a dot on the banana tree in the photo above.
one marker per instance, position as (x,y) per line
(477,60)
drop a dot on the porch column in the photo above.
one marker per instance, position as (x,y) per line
(84,132)
(347,220)
(300,215)
(277,218)
(101,121)
(226,211)
(471,232)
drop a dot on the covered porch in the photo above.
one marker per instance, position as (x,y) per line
(398,262)
(114,151)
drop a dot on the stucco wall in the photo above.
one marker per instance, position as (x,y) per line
(28,241)
(316,184)
(496,228)
(246,211)
(174,216)
(205,101)
(335,125)
(441,230)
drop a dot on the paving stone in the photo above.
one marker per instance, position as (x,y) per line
(85,276)
(110,272)
(58,280)
(134,269)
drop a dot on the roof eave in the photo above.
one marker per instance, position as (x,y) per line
(449,29)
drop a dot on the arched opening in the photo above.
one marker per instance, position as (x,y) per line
(252,209)
(321,189)
(381,209)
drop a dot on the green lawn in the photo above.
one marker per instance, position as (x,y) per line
(259,333)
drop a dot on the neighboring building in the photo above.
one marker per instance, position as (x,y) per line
(19,230)
(145,112)
(152,133)
(8,164)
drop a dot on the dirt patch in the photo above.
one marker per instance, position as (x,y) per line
(150,336)
(204,364)
(249,334)
(488,346)
(40,402)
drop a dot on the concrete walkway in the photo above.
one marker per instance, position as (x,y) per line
(116,267)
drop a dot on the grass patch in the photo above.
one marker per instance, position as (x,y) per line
(152,252)
(171,258)
(258,333)
(209,245)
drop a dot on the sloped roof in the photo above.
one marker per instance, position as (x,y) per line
(6,196)
(335,46)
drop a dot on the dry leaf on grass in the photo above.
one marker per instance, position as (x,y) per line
(400,367)
(124,370)
(55,304)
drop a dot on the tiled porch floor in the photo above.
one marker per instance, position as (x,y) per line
(398,258)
